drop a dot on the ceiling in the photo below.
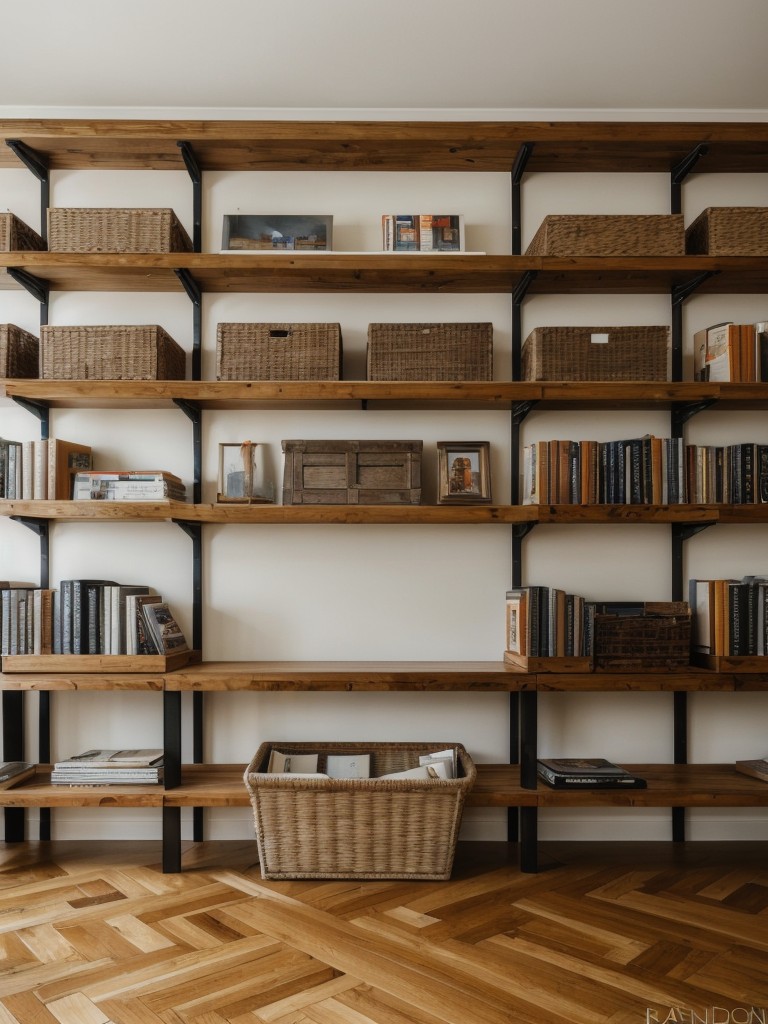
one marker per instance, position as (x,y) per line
(242,56)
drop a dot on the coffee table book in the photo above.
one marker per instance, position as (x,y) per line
(758,769)
(586,772)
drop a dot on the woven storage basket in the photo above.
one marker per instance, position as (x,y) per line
(110,353)
(596,353)
(609,235)
(659,641)
(729,231)
(454,351)
(86,229)
(358,828)
(19,352)
(16,236)
(278,352)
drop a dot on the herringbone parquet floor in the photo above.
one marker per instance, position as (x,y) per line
(606,934)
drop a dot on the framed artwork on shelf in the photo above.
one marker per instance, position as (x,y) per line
(463,472)
(243,476)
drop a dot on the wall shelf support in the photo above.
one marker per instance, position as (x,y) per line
(518,170)
(681,171)
(37,288)
(35,163)
(194,292)
(193,169)
(684,411)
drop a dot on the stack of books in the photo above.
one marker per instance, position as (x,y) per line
(129,485)
(110,767)
(731,352)
(730,616)
(586,773)
(422,232)
(31,470)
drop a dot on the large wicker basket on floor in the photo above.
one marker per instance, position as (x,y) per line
(96,229)
(358,828)
(145,352)
(255,351)
(452,351)
(596,353)
(729,231)
(16,236)
(19,352)
(609,235)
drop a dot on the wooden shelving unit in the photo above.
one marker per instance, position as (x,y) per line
(515,148)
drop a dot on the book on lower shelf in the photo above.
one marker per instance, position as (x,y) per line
(14,772)
(587,773)
(757,768)
(94,767)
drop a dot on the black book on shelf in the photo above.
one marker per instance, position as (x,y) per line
(586,773)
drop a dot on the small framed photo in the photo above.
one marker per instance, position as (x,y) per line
(463,472)
(243,475)
(276,232)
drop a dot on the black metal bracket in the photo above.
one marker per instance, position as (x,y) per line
(195,295)
(193,168)
(39,409)
(518,294)
(519,532)
(521,409)
(35,163)
(518,170)
(684,411)
(193,412)
(680,292)
(680,171)
(681,532)
(687,530)
(521,288)
(36,287)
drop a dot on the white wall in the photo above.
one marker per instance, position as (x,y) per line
(383,592)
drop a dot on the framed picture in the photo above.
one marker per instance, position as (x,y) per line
(275,232)
(463,472)
(243,476)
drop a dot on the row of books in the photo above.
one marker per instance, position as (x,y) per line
(644,471)
(731,352)
(128,485)
(41,469)
(441,764)
(730,616)
(422,232)
(85,616)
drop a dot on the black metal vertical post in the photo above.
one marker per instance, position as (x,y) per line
(171,856)
(518,169)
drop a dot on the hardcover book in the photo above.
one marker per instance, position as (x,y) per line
(588,772)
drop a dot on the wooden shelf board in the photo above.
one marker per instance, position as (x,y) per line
(352,676)
(39,792)
(78,664)
(690,680)
(62,680)
(388,145)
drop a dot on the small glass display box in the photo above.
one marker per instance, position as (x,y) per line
(244,476)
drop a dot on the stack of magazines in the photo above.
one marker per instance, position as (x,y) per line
(110,767)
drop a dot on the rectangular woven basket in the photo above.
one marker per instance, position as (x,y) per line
(609,235)
(19,352)
(729,231)
(358,828)
(96,229)
(256,351)
(16,236)
(144,352)
(596,353)
(450,351)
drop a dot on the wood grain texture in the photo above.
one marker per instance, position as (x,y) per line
(605,935)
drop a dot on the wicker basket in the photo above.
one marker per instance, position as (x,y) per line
(596,353)
(110,353)
(19,352)
(278,352)
(455,351)
(729,231)
(609,235)
(86,229)
(657,641)
(16,236)
(358,828)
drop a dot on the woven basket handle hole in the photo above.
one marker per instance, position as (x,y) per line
(279,334)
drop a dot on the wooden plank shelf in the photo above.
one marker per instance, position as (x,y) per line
(38,791)
(388,145)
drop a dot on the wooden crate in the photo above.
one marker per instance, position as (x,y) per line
(729,231)
(450,351)
(358,828)
(19,352)
(659,640)
(16,236)
(609,235)
(352,472)
(255,351)
(596,353)
(116,229)
(100,352)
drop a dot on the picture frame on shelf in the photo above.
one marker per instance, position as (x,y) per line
(463,472)
(244,478)
(275,232)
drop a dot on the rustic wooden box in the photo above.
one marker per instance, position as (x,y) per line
(609,235)
(310,351)
(16,236)
(352,472)
(729,231)
(97,352)
(450,351)
(19,352)
(116,229)
(659,640)
(596,353)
